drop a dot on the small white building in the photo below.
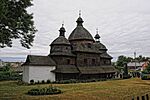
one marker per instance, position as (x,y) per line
(135,65)
(38,68)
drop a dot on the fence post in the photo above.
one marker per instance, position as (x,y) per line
(143,98)
(147,98)
(138,98)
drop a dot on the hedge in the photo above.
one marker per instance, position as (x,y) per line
(44,91)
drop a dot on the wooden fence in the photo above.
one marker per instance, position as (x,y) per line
(144,97)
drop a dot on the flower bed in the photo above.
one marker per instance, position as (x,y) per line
(44,91)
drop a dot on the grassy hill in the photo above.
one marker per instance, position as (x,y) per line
(105,90)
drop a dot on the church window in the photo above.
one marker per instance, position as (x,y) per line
(93,61)
(85,61)
(104,62)
(89,45)
(68,61)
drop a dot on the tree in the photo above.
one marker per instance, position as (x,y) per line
(121,60)
(140,58)
(147,70)
(6,67)
(16,23)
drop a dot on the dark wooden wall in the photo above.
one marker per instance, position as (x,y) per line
(92,59)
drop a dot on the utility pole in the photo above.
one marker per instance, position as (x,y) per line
(135,59)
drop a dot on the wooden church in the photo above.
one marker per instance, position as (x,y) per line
(78,57)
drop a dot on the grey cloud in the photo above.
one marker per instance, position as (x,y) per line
(123,24)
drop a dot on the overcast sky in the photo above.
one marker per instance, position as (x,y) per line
(124,25)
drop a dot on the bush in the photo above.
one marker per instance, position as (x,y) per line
(77,81)
(20,82)
(48,81)
(44,91)
(7,75)
(43,81)
(144,77)
(126,76)
(32,81)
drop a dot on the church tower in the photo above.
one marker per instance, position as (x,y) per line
(61,49)
(80,34)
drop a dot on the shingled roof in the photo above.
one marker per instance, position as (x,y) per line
(91,70)
(60,40)
(35,60)
(97,69)
(100,46)
(66,69)
(105,55)
(109,69)
(62,54)
(80,33)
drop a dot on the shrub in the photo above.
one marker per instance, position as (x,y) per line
(7,75)
(126,76)
(48,81)
(44,91)
(20,82)
(43,81)
(73,81)
(38,82)
(32,81)
(144,77)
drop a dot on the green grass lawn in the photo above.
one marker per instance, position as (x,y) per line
(105,90)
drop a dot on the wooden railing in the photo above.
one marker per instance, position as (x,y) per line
(143,97)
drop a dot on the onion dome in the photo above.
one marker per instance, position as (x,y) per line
(98,44)
(61,46)
(80,33)
(62,31)
(97,36)
(61,39)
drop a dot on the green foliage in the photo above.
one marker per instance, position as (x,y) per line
(147,70)
(141,58)
(146,73)
(32,82)
(125,69)
(7,74)
(21,83)
(66,81)
(16,23)
(44,91)
(48,81)
(78,81)
(6,67)
(121,59)
(42,81)
(144,78)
